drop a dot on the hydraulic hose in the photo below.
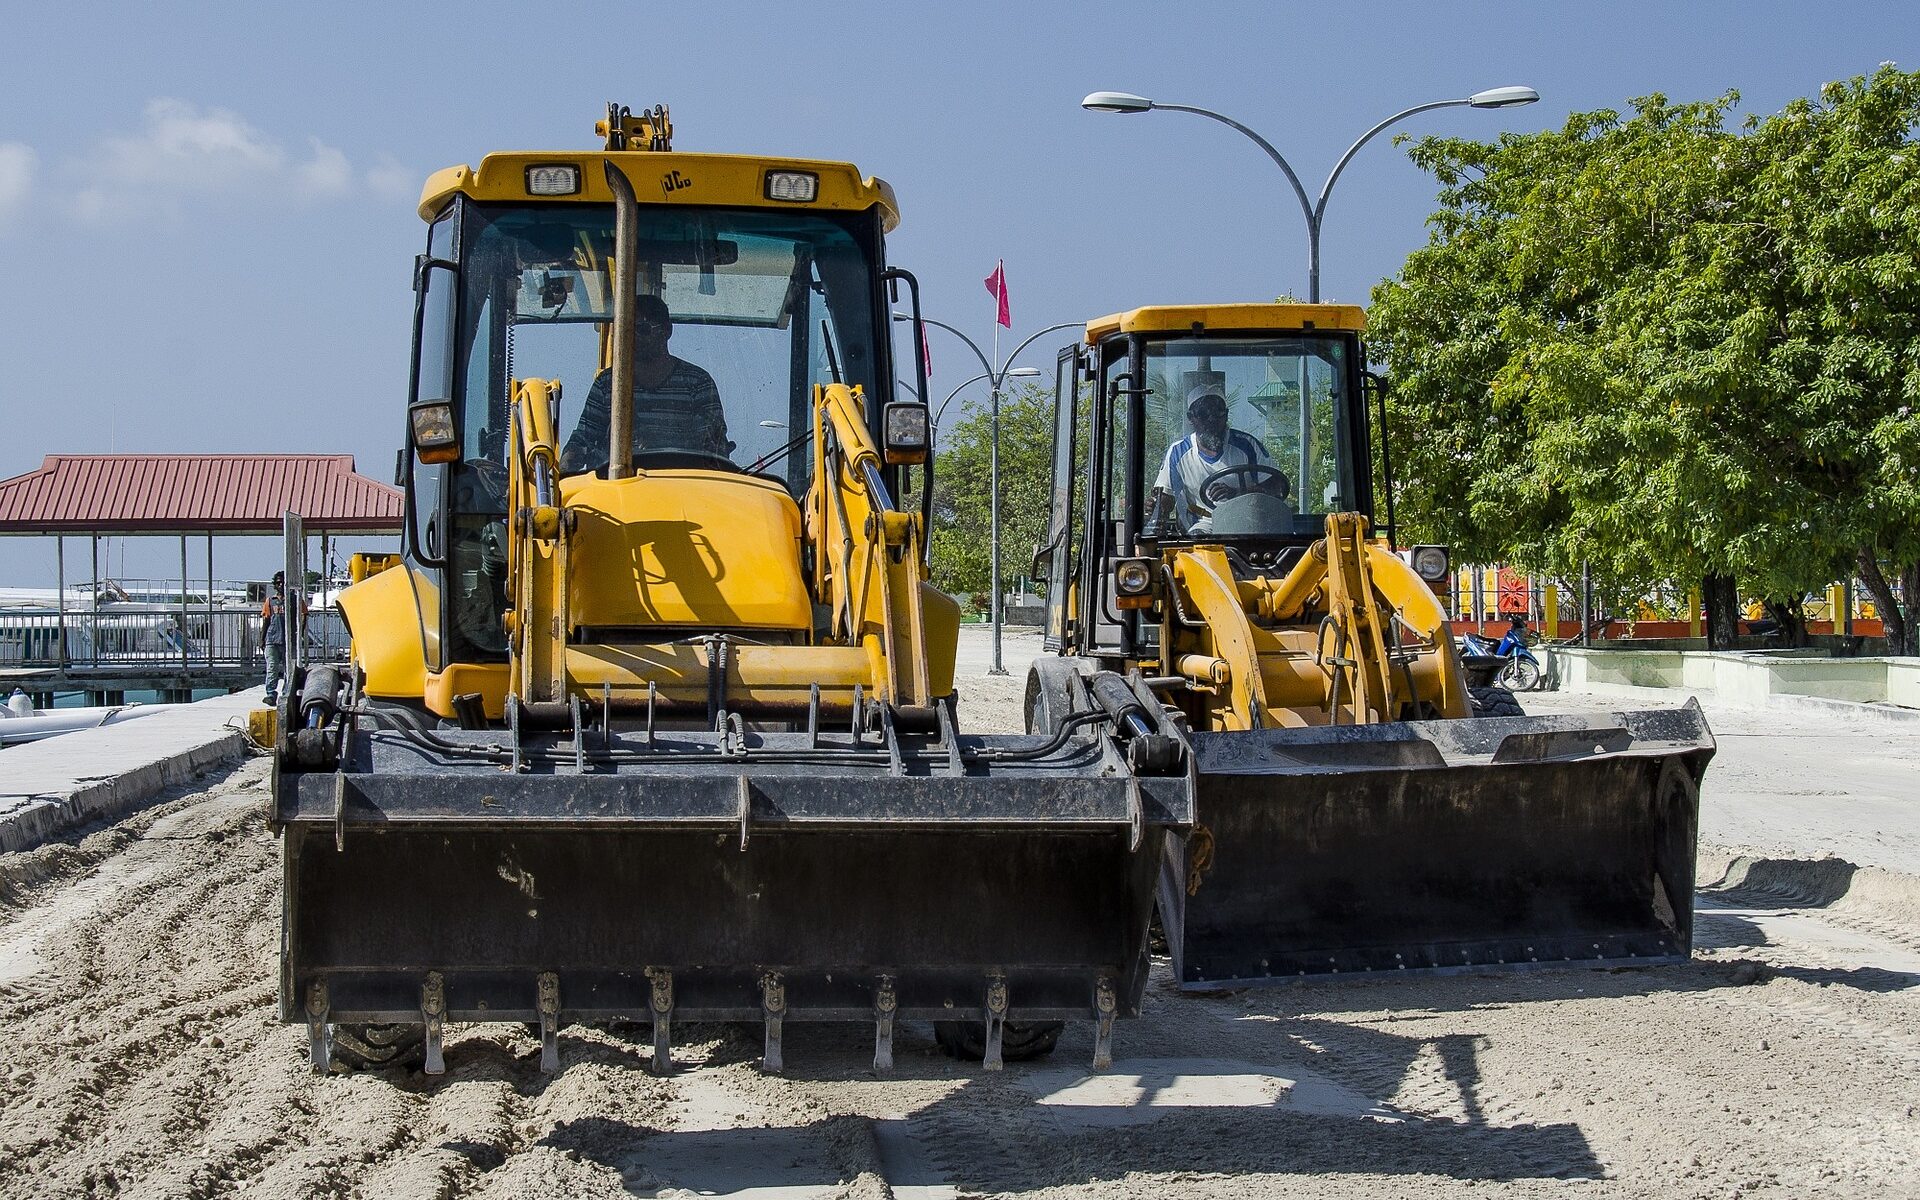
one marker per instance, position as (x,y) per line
(498,754)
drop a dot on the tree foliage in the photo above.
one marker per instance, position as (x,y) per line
(1672,348)
(961,541)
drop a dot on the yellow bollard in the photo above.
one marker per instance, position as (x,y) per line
(1836,604)
(1549,611)
(1693,613)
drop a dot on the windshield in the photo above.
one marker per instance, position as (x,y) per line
(1247,436)
(740,313)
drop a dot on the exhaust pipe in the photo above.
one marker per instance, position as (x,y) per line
(626,273)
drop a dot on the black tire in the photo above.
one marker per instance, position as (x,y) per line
(1035,707)
(1494,702)
(1019,1041)
(1038,718)
(380,1047)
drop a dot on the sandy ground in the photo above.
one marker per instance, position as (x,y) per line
(142,1057)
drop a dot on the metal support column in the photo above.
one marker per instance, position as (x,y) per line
(1586,604)
(93,636)
(326,572)
(209,601)
(60,575)
(184,667)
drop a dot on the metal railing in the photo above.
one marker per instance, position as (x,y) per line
(154,635)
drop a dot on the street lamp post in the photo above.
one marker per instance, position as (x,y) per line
(997,377)
(1126,102)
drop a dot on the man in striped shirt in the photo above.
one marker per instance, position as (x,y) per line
(1210,449)
(675,404)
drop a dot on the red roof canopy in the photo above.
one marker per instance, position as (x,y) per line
(196,493)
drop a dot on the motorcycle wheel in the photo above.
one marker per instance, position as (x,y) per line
(1519,675)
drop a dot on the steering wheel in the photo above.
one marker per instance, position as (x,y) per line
(1258,474)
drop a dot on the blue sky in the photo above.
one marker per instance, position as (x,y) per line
(206,210)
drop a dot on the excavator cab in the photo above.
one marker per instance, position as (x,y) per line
(1359,804)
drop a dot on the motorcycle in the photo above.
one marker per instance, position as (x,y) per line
(1508,663)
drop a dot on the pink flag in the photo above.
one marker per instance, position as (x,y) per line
(926,351)
(997,284)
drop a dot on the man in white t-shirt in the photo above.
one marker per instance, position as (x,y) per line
(1210,449)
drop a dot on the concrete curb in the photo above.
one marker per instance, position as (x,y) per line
(1847,709)
(1844,708)
(43,790)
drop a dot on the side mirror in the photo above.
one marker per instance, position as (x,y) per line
(907,433)
(1041,569)
(430,422)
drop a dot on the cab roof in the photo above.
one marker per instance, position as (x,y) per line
(662,177)
(1228,318)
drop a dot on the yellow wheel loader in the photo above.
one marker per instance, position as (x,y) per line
(1362,802)
(654,718)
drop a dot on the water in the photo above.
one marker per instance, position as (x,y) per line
(82,700)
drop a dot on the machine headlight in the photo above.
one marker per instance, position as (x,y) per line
(801,187)
(1429,562)
(431,422)
(1133,583)
(553,179)
(906,432)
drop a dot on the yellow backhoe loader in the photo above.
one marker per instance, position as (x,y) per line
(1211,538)
(654,717)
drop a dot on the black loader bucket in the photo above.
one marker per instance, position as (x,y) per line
(570,876)
(1438,845)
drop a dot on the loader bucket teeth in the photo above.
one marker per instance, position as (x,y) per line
(996,1011)
(319,1029)
(660,1003)
(884,1004)
(1439,845)
(1105,1008)
(548,1003)
(773,1006)
(433,1012)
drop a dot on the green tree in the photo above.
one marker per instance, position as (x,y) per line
(1645,343)
(1838,196)
(960,543)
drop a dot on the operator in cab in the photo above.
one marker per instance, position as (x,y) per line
(1212,449)
(676,407)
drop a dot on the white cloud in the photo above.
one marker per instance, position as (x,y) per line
(182,153)
(327,173)
(389,180)
(17,162)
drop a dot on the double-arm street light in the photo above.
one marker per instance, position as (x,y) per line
(1126,102)
(997,377)
(1015,373)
